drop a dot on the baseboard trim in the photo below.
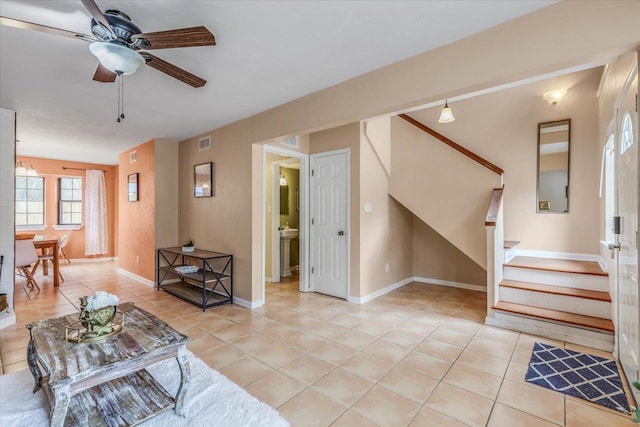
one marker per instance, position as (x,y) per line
(378,293)
(84,260)
(7,320)
(559,255)
(136,277)
(450,284)
(247,304)
(268,279)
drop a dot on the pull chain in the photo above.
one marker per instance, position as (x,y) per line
(120,83)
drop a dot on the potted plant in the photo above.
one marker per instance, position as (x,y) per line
(188,247)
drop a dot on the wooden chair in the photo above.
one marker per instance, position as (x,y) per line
(61,245)
(26,255)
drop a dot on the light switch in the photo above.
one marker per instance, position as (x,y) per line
(368,207)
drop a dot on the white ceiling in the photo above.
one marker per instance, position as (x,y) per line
(267,53)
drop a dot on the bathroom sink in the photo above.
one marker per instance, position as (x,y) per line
(289,234)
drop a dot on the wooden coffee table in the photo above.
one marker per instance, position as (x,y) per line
(105,383)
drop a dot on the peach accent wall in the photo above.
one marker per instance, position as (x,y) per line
(51,170)
(137,219)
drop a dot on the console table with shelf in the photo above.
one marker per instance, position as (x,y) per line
(211,285)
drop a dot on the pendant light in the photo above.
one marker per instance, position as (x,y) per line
(446,115)
(554,96)
(22,170)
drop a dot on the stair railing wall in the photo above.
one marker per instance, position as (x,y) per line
(494,224)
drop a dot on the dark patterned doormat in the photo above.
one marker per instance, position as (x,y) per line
(589,377)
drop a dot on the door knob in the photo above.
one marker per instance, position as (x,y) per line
(340,233)
(611,247)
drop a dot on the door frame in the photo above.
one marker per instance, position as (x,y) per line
(633,74)
(304,215)
(347,152)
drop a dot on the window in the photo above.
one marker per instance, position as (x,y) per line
(70,201)
(29,200)
(626,140)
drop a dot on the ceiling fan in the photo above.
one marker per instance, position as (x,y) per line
(121,47)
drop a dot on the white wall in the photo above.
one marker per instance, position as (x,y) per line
(7,217)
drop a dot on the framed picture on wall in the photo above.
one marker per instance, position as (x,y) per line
(203,180)
(132,187)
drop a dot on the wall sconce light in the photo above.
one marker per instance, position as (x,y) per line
(21,169)
(554,96)
(446,115)
(283,180)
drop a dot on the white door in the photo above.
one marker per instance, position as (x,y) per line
(329,199)
(627,198)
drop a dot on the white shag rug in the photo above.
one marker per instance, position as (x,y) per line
(211,400)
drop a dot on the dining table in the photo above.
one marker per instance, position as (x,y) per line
(48,245)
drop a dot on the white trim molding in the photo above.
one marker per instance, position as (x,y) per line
(559,255)
(247,304)
(136,277)
(87,260)
(7,320)
(450,284)
(67,227)
(564,255)
(394,286)
(380,292)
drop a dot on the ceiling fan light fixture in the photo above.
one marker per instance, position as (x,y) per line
(446,115)
(117,58)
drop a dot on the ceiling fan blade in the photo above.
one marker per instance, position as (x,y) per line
(103,75)
(182,37)
(24,25)
(97,14)
(173,71)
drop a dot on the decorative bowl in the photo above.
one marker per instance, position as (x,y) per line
(188,248)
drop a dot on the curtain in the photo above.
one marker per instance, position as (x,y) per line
(96,233)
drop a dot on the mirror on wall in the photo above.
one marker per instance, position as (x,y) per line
(203,180)
(284,200)
(553,166)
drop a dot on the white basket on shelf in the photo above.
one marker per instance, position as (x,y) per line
(187,269)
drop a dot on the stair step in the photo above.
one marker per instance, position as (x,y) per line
(510,244)
(559,265)
(555,315)
(558,290)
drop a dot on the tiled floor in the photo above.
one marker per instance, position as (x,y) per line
(419,356)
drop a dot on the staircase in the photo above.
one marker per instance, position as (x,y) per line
(561,299)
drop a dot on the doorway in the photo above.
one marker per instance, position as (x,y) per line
(329,209)
(285,208)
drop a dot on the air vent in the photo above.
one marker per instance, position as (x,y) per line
(204,143)
(133,156)
(291,141)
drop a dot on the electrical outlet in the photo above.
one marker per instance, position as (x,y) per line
(138,260)
(386,267)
